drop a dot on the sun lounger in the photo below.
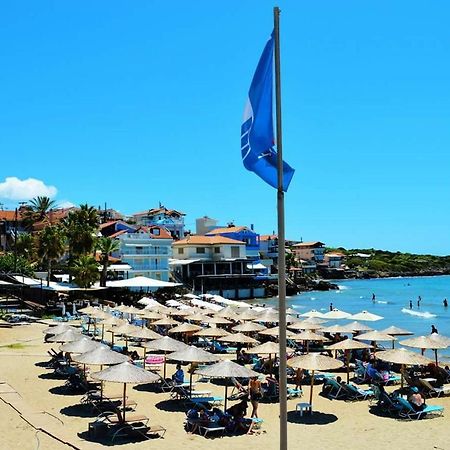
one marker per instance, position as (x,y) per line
(355,393)
(431,390)
(335,390)
(200,401)
(408,411)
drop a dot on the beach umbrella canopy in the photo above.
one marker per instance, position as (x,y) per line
(238,338)
(275,331)
(126,328)
(403,357)
(197,317)
(248,327)
(444,340)
(212,332)
(185,328)
(226,369)
(313,314)
(165,344)
(125,373)
(315,320)
(292,312)
(87,310)
(396,331)
(228,312)
(121,308)
(375,336)
(58,329)
(426,342)
(145,333)
(357,326)
(193,354)
(348,344)
(182,312)
(268,348)
(217,320)
(337,314)
(151,315)
(66,336)
(101,356)
(309,336)
(113,321)
(147,301)
(304,325)
(313,362)
(83,345)
(166,321)
(133,310)
(336,329)
(366,315)
(248,314)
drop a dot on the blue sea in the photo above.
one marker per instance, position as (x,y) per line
(392,302)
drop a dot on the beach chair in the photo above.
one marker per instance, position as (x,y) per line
(355,393)
(387,403)
(107,403)
(431,390)
(182,392)
(334,389)
(408,411)
(112,423)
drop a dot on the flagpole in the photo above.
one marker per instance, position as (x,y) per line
(281,239)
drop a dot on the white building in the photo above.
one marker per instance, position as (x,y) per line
(147,252)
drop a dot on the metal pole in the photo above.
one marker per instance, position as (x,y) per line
(281,239)
(15,241)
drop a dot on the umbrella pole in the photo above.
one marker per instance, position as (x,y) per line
(190,383)
(145,355)
(311,391)
(347,360)
(112,339)
(393,344)
(435,354)
(226,395)
(401,371)
(101,386)
(165,353)
(124,400)
(103,332)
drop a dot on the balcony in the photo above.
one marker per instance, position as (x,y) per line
(148,251)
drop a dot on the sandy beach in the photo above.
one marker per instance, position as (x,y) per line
(34,407)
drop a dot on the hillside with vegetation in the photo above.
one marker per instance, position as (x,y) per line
(382,263)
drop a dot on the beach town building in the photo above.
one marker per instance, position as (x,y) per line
(144,251)
(333,260)
(171,219)
(215,264)
(243,234)
(310,251)
(10,222)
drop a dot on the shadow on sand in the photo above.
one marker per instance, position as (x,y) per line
(172,406)
(106,438)
(149,387)
(64,390)
(79,410)
(316,418)
(52,376)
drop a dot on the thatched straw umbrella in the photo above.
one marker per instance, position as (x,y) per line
(336,314)
(347,345)
(396,331)
(248,327)
(83,345)
(165,344)
(313,362)
(403,357)
(193,355)
(66,336)
(426,342)
(308,336)
(226,369)
(58,329)
(125,373)
(313,314)
(212,332)
(268,348)
(367,316)
(238,338)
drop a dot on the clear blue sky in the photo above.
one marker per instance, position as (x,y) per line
(141,101)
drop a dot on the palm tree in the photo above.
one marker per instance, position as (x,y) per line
(85,270)
(50,246)
(106,246)
(37,210)
(81,226)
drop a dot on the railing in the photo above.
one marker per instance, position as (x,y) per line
(149,251)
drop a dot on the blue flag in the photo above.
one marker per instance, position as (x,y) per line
(257,136)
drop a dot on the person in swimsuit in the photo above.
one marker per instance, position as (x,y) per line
(255,392)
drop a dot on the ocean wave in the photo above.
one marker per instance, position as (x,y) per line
(381,301)
(342,288)
(298,306)
(425,315)
(313,298)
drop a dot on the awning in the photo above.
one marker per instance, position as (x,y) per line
(182,262)
(257,266)
(141,282)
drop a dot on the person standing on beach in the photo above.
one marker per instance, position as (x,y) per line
(410,304)
(255,392)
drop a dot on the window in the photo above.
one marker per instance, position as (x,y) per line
(200,250)
(180,251)
(216,249)
(155,231)
(235,252)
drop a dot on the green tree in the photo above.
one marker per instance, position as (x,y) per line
(85,271)
(50,246)
(8,261)
(25,246)
(106,246)
(37,211)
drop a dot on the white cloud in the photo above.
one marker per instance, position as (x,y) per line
(15,189)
